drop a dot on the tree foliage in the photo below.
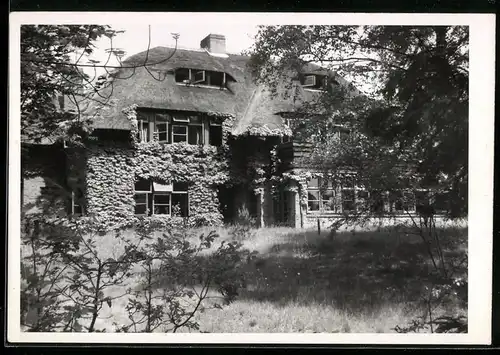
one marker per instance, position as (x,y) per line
(50,55)
(413,112)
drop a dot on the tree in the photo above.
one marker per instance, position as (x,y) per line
(415,113)
(408,131)
(50,55)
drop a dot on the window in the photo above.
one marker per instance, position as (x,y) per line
(321,196)
(377,201)
(201,77)
(313,195)
(152,198)
(161,203)
(178,127)
(402,201)
(161,131)
(215,134)
(180,201)
(195,133)
(142,130)
(314,81)
(348,195)
(142,194)
(183,75)
(180,118)
(77,201)
(179,134)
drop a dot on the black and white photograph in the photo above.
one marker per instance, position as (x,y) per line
(251,174)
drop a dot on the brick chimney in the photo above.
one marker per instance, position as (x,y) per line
(214,43)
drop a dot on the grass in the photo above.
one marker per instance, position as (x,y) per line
(357,282)
(304,282)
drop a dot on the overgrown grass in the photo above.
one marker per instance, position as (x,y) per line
(302,281)
(357,282)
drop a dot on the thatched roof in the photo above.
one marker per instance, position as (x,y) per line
(145,91)
(252,105)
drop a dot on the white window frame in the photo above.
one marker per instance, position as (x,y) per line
(203,77)
(74,205)
(180,118)
(158,132)
(143,130)
(176,192)
(162,193)
(179,134)
(309,84)
(321,189)
(143,192)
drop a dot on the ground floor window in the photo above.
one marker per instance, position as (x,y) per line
(77,201)
(152,198)
(322,196)
(402,201)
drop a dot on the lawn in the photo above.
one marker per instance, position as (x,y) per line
(302,281)
(357,282)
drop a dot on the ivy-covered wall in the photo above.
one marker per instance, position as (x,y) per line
(113,167)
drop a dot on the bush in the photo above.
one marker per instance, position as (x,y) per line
(67,279)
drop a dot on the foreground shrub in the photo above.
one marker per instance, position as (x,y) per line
(68,278)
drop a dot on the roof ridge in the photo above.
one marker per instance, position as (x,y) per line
(191,49)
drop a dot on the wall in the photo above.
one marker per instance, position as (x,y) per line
(112,170)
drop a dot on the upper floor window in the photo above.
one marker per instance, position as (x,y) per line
(314,81)
(178,128)
(201,77)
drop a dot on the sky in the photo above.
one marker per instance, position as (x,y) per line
(239,37)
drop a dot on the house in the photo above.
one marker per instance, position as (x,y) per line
(191,138)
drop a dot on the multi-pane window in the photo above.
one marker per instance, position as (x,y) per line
(178,128)
(321,195)
(143,192)
(313,203)
(153,198)
(161,127)
(313,81)
(179,133)
(195,131)
(348,194)
(201,77)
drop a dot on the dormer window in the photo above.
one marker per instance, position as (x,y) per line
(316,82)
(201,77)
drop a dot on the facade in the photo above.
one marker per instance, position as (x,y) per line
(193,139)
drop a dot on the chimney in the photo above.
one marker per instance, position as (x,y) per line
(214,43)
